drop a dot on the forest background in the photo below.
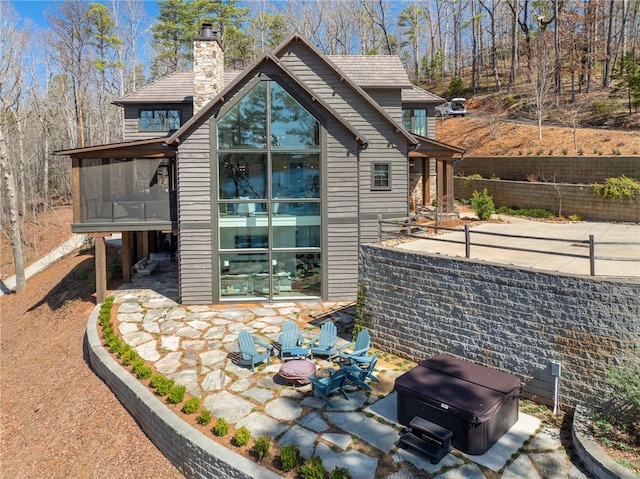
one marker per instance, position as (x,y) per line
(573,61)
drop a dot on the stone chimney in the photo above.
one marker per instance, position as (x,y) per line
(208,67)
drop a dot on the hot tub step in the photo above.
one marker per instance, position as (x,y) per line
(433,450)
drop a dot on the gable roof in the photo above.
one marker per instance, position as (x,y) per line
(174,88)
(248,73)
(417,94)
(373,71)
(272,57)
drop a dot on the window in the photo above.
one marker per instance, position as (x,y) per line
(381,176)
(159,120)
(415,121)
(269,197)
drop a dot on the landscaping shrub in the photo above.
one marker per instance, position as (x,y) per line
(289,457)
(204,417)
(262,447)
(626,386)
(312,469)
(176,394)
(191,406)
(528,212)
(221,428)
(482,204)
(161,384)
(242,436)
(141,370)
(340,473)
(618,188)
(469,178)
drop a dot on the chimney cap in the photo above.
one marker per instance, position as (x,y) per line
(207,32)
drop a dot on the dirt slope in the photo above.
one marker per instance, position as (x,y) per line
(59,420)
(482,135)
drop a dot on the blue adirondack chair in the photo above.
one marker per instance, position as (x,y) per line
(360,348)
(250,355)
(290,341)
(325,387)
(357,375)
(324,344)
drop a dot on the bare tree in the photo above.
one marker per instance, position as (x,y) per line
(491,9)
(71,35)
(10,87)
(544,72)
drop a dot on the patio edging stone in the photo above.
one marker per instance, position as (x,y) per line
(190,451)
(591,454)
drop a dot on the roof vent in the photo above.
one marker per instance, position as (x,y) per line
(207,31)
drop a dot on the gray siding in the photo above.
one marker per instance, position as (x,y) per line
(131,120)
(389,100)
(386,145)
(341,231)
(195,217)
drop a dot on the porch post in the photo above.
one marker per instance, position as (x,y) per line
(100,267)
(426,181)
(127,250)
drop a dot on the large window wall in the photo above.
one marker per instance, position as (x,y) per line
(269,197)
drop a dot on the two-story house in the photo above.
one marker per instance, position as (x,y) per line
(266,181)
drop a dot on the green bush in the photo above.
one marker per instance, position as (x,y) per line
(340,473)
(618,188)
(141,370)
(482,204)
(242,436)
(191,406)
(312,469)
(262,447)
(626,386)
(204,417)
(289,457)
(176,394)
(528,212)
(221,428)
(128,355)
(469,179)
(161,384)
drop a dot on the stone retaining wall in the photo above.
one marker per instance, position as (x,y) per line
(190,451)
(562,199)
(515,320)
(561,169)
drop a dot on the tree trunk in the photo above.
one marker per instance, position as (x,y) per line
(16,241)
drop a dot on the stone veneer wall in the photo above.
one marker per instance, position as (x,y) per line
(562,199)
(190,451)
(514,320)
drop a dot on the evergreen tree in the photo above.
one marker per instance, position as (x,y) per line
(179,22)
(628,74)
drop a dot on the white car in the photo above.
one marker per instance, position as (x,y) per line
(454,107)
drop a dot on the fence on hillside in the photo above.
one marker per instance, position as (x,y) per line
(410,227)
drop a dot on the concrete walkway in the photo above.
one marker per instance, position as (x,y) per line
(9,284)
(194,345)
(617,246)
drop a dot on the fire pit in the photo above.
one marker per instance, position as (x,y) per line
(296,371)
(477,404)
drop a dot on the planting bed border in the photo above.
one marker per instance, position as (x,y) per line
(590,453)
(191,452)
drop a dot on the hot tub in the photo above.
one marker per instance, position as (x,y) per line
(477,404)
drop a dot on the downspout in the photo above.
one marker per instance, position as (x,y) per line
(362,146)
